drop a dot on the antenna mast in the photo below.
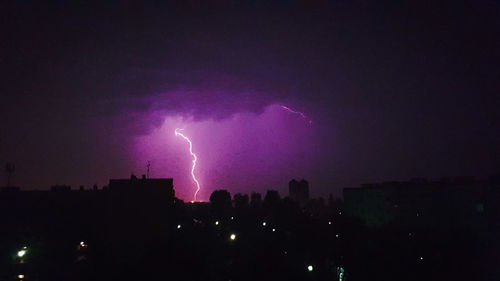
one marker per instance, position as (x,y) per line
(10,168)
(148,165)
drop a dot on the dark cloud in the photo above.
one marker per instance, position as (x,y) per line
(414,83)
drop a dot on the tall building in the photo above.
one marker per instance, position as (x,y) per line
(299,190)
(159,186)
(459,202)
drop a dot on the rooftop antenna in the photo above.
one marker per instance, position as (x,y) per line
(10,168)
(148,165)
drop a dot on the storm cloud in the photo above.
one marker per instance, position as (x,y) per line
(82,83)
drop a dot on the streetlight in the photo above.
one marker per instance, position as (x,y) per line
(21,253)
(310,268)
(232,236)
(82,245)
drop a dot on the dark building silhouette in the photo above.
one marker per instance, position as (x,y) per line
(299,190)
(10,168)
(221,201)
(159,185)
(10,189)
(272,198)
(135,229)
(241,200)
(57,224)
(255,199)
(60,188)
(459,201)
(139,211)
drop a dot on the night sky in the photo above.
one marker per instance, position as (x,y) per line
(90,92)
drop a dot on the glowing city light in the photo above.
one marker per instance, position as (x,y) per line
(297,112)
(178,133)
(21,253)
(264,224)
(178,226)
(217,223)
(232,237)
(310,268)
(329,222)
(274,229)
(340,272)
(20,276)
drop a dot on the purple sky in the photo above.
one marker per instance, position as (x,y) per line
(91,92)
(244,152)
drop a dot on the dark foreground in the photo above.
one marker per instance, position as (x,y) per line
(95,235)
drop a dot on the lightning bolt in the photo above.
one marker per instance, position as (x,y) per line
(297,112)
(178,133)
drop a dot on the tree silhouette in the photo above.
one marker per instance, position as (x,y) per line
(221,201)
(241,201)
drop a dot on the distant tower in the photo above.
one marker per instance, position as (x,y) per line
(299,190)
(148,165)
(10,168)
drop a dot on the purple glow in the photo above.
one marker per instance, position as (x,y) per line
(177,133)
(297,112)
(246,152)
(247,87)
